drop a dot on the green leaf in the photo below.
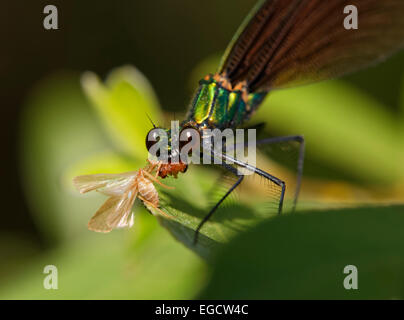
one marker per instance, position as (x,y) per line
(191,201)
(302,256)
(57,129)
(106,266)
(123,105)
(58,143)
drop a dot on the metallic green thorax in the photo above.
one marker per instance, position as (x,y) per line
(215,106)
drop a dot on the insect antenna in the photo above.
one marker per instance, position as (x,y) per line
(151,121)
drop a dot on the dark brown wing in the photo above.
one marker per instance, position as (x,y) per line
(290,42)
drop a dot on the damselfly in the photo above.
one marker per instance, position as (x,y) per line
(283,43)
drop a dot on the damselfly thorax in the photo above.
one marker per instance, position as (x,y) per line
(218,104)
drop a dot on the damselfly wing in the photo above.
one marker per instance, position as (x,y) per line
(284,43)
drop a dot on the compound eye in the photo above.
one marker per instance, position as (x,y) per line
(152,137)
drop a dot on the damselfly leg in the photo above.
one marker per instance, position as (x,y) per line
(279,182)
(300,161)
(212,211)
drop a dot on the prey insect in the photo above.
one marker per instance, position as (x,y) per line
(122,189)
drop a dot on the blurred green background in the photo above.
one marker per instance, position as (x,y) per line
(51,131)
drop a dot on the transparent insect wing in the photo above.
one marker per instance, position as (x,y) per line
(108,184)
(127,221)
(116,212)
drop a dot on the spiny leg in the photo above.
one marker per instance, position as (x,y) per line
(155,207)
(154,179)
(300,161)
(152,166)
(249,167)
(261,173)
(158,170)
(212,211)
